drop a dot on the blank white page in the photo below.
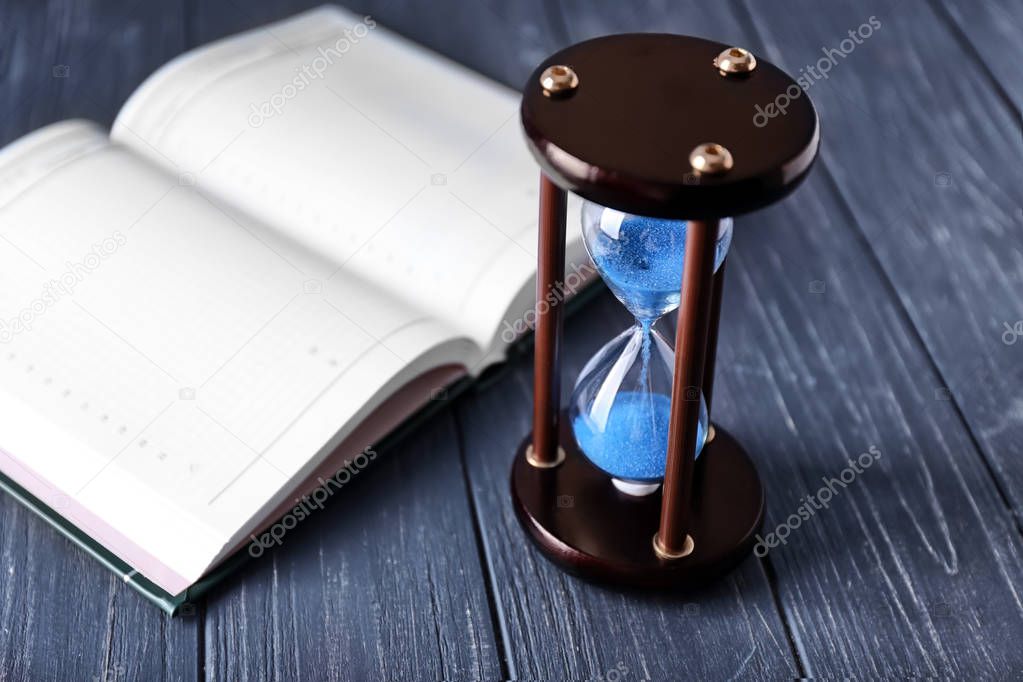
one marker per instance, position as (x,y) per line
(391,161)
(168,362)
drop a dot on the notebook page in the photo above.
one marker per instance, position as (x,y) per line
(166,361)
(389,160)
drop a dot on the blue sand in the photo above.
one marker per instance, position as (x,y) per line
(645,352)
(634,443)
(644,265)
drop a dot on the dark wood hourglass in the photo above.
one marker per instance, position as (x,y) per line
(668,128)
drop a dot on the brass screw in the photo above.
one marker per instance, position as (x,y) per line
(661,552)
(558,80)
(710,434)
(710,159)
(735,60)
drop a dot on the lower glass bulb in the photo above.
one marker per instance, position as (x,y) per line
(621,407)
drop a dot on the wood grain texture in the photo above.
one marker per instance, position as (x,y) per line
(560,627)
(64,59)
(64,616)
(942,219)
(925,155)
(384,583)
(557,626)
(866,310)
(991,30)
(880,586)
(817,365)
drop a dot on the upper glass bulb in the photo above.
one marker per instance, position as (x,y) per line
(641,258)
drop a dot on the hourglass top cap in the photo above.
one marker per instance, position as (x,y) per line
(663,125)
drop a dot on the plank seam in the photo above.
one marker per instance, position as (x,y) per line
(901,309)
(745,17)
(945,16)
(557,21)
(772,580)
(200,641)
(497,620)
(903,312)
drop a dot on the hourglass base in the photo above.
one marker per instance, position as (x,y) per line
(582,523)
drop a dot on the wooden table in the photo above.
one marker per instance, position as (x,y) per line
(877,307)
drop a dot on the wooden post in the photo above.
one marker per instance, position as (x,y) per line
(672,540)
(547,359)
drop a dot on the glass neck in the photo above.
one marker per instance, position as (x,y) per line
(645,324)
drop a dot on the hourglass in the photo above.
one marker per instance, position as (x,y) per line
(621,404)
(664,137)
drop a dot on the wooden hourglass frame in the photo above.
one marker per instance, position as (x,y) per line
(670,127)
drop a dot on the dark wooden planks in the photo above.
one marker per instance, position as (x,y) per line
(212,19)
(384,583)
(911,571)
(64,615)
(905,574)
(715,21)
(992,30)
(559,627)
(942,217)
(556,626)
(65,59)
(913,563)
(926,156)
(899,576)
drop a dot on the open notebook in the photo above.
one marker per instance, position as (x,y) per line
(288,242)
